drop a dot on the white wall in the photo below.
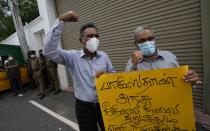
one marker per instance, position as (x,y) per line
(48,12)
(35,32)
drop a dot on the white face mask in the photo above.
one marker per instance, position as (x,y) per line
(32,56)
(10,58)
(92,44)
(6,61)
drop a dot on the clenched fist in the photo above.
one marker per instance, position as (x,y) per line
(70,16)
(136,56)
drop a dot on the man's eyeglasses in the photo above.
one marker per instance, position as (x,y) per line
(151,38)
(93,35)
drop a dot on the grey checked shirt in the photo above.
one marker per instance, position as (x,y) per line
(165,59)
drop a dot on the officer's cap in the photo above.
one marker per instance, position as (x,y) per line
(31,52)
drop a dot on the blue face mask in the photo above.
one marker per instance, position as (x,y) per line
(148,48)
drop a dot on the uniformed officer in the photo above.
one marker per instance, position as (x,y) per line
(37,74)
(14,76)
(52,76)
(44,69)
(29,69)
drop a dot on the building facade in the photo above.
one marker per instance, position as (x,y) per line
(181,26)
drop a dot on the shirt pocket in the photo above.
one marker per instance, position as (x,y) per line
(100,66)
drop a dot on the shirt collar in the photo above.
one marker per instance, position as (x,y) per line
(82,53)
(159,55)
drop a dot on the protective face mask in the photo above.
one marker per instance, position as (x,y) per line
(10,58)
(148,48)
(92,44)
(32,56)
(6,61)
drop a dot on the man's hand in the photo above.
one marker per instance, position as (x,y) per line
(12,66)
(136,56)
(70,16)
(99,73)
(192,76)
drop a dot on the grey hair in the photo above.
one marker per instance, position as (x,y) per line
(87,25)
(140,29)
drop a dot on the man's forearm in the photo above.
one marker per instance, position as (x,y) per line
(12,66)
(52,39)
(51,50)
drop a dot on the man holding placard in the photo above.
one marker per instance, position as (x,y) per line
(151,97)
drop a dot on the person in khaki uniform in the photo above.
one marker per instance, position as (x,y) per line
(29,69)
(37,74)
(53,76)
(44,69)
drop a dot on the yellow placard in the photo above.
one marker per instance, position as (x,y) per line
(146,100)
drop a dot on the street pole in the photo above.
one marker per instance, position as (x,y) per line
(19,27)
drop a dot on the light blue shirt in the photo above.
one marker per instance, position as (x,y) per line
(82,68)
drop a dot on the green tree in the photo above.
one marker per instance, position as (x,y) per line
(6,27)
(3,7)
(6,23)
(28,11)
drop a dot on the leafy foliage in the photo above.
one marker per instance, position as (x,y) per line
(3,8)
(28,11)
(6,27)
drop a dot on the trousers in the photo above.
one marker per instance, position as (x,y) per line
(89,116)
